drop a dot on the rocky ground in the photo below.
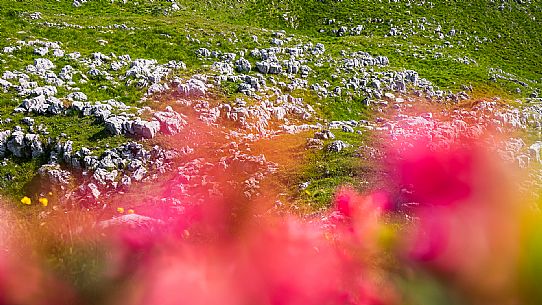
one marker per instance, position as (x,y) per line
(86,119)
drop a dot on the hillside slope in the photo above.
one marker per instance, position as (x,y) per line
(337,56)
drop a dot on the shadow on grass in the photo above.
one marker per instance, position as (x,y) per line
(101,135)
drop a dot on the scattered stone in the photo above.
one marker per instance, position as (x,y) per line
(324,135)
(146,129)
(337,146)
(55,175)
(94,191)
(193,87)
(347,128)
(315,143)
(77,96)
(43,64)
(28,121)
(243,66)
(114,125)
(171,122)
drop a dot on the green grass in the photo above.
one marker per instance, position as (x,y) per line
(326,171)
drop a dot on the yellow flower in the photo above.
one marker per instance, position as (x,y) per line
(130,211)
(26,200)
(44,201)
(120,210)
